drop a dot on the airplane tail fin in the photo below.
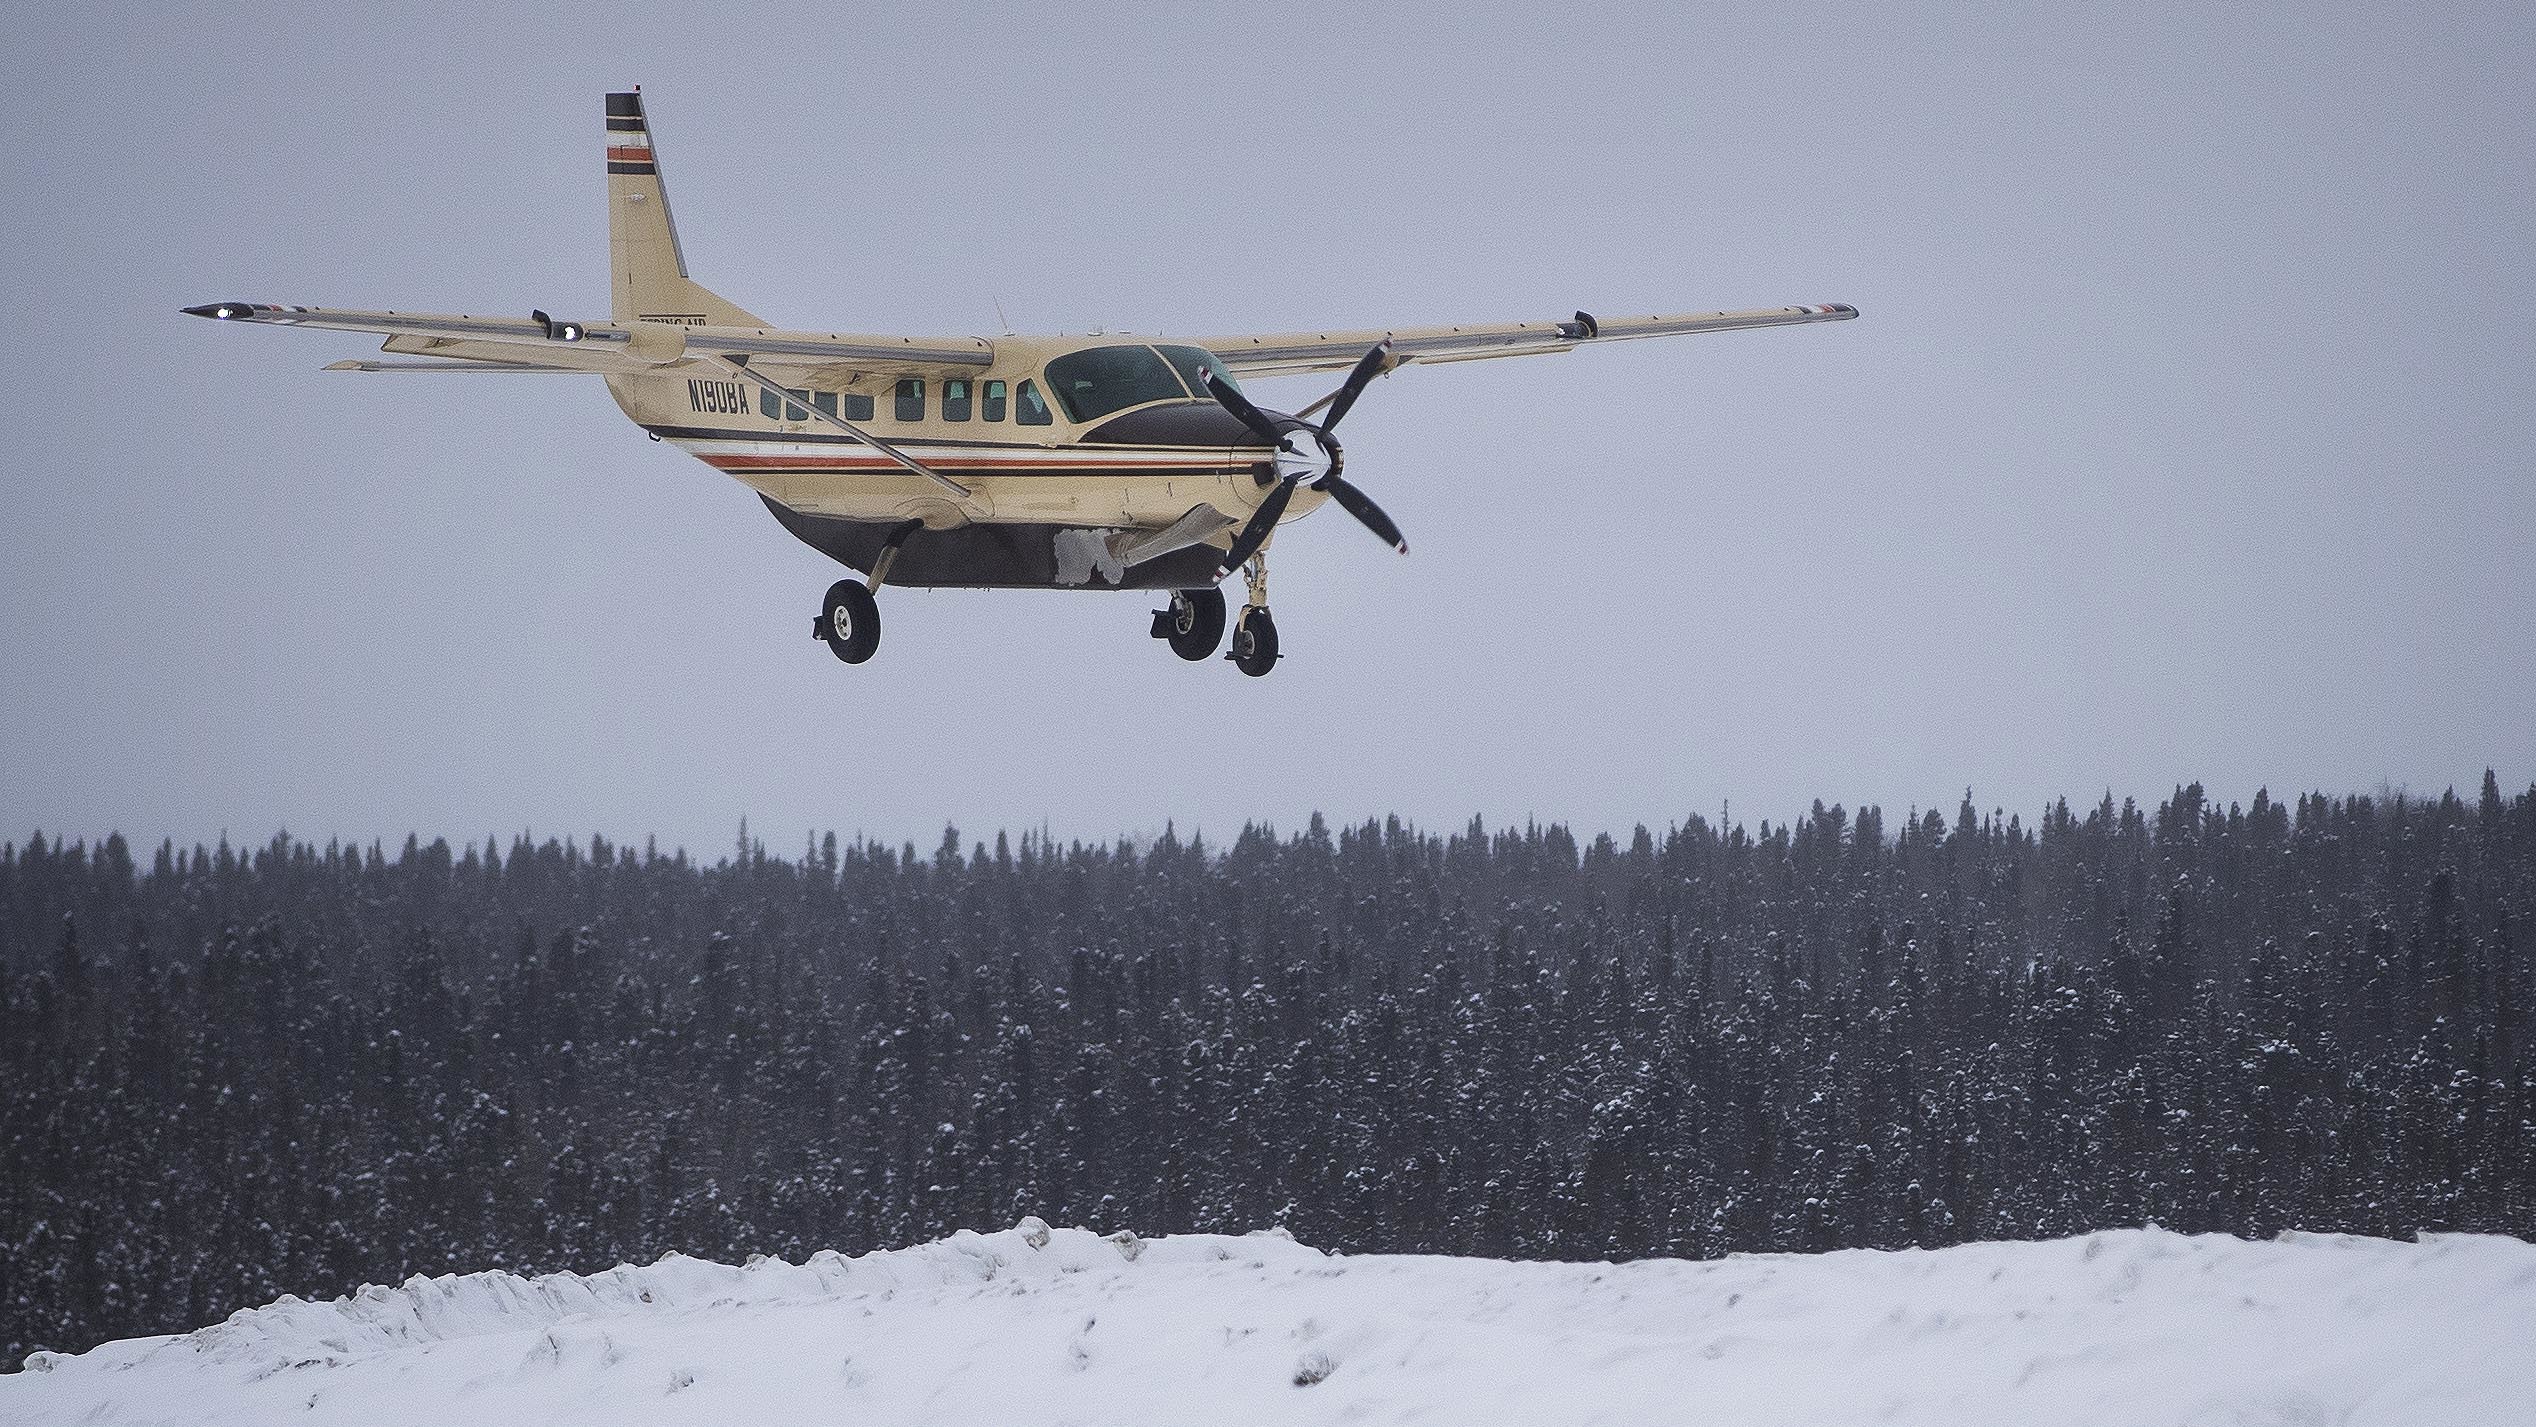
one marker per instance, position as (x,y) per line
(648,278)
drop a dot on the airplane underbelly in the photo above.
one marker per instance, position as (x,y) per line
(1002,554)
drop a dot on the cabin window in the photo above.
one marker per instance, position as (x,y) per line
(1190,361)
(774,410)
(1032,411)
(990,402)
(911,399)
(1096,381)
(826,401)
(858,406)
(956,399)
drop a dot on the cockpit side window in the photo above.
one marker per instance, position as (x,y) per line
(1028,408)
(1096,381)
(1190,361)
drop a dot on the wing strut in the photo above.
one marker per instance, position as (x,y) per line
(739,366)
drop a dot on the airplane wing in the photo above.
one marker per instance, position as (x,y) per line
(1291,352)
(541,343)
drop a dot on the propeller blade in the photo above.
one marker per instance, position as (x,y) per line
(1368,367)
(1256,533)
(1238,404)
(1361,505)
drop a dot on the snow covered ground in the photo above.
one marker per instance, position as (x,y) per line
(1028,1326)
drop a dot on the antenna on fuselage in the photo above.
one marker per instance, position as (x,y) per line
(1001,320)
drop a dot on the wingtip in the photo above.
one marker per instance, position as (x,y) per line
(220,311)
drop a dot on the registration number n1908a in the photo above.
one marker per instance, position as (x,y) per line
(720,398)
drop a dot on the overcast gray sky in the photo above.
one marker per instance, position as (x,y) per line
(2185,433)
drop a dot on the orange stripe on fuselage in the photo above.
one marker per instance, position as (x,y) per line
(722,462)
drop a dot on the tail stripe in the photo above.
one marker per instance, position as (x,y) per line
(648,278)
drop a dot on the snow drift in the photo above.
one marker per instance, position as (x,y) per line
(1031,1325)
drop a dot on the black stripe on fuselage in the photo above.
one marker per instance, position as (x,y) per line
(637,169)
(723,433)
(623,105)
(625,124)
(1087,471)
(1106,437)
(953,466)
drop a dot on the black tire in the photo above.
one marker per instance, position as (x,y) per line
(1196,623)
(850,620)
(1255,642)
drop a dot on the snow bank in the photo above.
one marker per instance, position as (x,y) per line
(1033,1326)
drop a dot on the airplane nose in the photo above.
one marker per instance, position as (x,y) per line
(1307,454)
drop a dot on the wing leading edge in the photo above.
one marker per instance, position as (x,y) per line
(1292,352)
(541,343)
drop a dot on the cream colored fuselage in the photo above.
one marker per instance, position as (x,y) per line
(1060,472)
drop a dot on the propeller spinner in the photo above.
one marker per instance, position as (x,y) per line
(1308,454)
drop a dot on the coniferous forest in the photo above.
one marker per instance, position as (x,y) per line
(228,1074)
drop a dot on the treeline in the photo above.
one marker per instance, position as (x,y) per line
(229,1074)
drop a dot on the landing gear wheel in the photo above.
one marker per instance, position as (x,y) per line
(1254,642)
(1194,624)
(850,620)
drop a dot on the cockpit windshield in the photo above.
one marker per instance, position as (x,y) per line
(1189,361)
(1096,381)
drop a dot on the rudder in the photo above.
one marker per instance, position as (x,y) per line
(648,279)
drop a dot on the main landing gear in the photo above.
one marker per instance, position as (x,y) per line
(1194,623)
(849,618)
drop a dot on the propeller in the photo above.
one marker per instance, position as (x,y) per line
(1308,454)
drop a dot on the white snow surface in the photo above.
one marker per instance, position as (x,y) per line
(1032,1326)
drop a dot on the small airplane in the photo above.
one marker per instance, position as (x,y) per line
(1105,462)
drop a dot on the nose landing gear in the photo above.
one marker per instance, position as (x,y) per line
(1255,633)
(1254,642)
